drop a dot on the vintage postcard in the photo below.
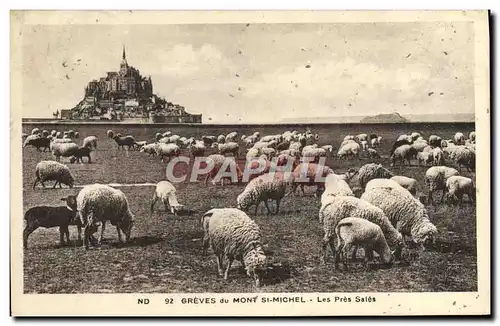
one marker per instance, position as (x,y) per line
(274,163)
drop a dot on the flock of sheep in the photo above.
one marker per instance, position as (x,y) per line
(375,216)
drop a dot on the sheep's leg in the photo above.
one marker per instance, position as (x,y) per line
(442,197)
(36,181)
(86,236)
(429,197)
(278,201)
(90,160)
(62,232)
(256,207)
(338,253)
(79,230)
(229,263)
(167,206)
(302,188)
(103,227)
(206,244)
(324,248)
(220,266)
(206,179)
(267,206)
(153,202)
(55,184)
(26,233)
(119,233)
(346,251)
(354,252)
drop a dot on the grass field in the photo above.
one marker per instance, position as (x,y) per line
(164,254)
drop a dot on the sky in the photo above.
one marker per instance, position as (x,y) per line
(261,73)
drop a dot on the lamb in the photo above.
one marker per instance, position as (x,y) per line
(372,171)
(197,149)
(121,141)
(64,149)
(79,154)
(166,192)
(437,156)
(35,131)
(310,174)
(230,147)
(435,179)
(90,142)
(362,137)
(424,157)
(233,235)
(37,141)
(347,206)
(404,211)
(372,153)
(53,171)
(458,186)
(167,150)
(52,216)
(269,186)
(97,204)
(402,153)
(219,161)
(353,232)
(409,184)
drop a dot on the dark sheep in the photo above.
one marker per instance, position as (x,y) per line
(40,142)
(128,141)
(79,154)
(399,143)
(372,136)
(53,216)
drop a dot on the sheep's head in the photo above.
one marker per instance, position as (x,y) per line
(70,202)
(176,208)
(255,263)
(426,235)
(244,201)
(126,226)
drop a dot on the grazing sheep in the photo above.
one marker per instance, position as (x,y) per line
(208,140)
(349,150)
(315,153)
(218,162)
(362,137)
(90,142)
(221,139)
(353,232)
(399,143)
(385,183)
(166,192)
(53,171)
(270,186)
(437,156)
(64,149)
(435,179)
(347,206)
(419,145)
(52,216)
(167,150)
(80,154)
(409,184)
(425,158)
(149,149)
(372,171)
(335,186)
(465,156)
(372,153)
(402,153)
(230,147)
(139,144)
(233,235)
(404,211)
(310,174)
(458,186)
(37,141)
(459,138)
(231,137)
(97,204)
(121,141)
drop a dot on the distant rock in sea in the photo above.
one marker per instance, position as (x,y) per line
(385,118)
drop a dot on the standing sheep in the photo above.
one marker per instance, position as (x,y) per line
(166,192)
(97,204)
(409,184)
(52,216)
(233,235)
(64,149)
(121,141)
(424,157)
(53,171)
(372,171)
(437,156)
(270,186)
(218,161)
(37,142)
(310,174)
(90,142)
(230,147)
(465,156)
(402,153)
(353,232)
(167,150)
(404,211)
(435,179)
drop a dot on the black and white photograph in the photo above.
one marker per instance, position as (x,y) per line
(214,163)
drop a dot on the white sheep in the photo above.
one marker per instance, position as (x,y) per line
(233,235)
(362,137)
(335,185)
(409,184)
(372,153)
(425,158)
(419,145)
(459,138)
(353,232)
(435,179)
(149,149)
(269,186)
(230,147)
(464,156)
(97,204)
(90,142)
(472,137)
(347,206)
(231,137)
(63,149)
(349,150)
(404,211)
(252,153)
(167,194)
(167,150)
(437,156)
(372,171)
(197,149)
(328,148)
(316,153)
(221,139)
(402,153)
(364,145)
(458,186)
(53,171)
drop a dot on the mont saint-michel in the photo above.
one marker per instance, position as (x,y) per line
(126,95)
